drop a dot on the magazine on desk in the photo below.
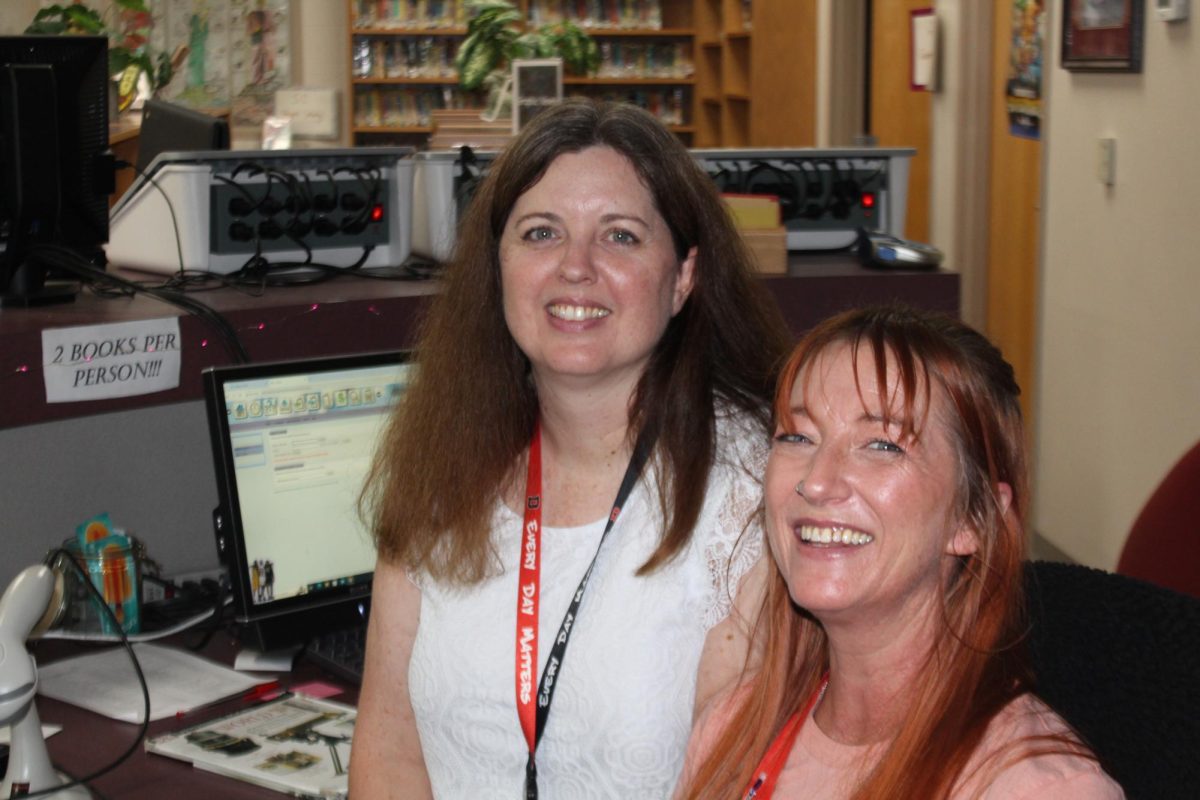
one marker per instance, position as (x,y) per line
(294,744)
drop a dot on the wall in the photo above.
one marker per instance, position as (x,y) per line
(15,15)
(320,38)
(958,147)
(1119,344)
(150,469)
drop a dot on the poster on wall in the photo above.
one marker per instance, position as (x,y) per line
(237,53)
(201,29)
(228,55)
(1023,88)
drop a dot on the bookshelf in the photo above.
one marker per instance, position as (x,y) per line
(402,67)
(402,54)
(755,73)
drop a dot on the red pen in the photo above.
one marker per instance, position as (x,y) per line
(258,693)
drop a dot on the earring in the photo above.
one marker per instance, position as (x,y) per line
(800,488)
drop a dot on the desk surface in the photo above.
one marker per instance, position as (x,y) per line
(353,315)
(89,741)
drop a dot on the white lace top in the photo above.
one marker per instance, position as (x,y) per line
(622,709)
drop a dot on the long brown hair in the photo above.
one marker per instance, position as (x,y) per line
(460,435)
(977,663)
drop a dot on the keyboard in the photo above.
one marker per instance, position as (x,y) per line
(340,652)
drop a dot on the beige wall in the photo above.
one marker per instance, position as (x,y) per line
(322,50)
(15,15)
(1119,344)
(320,42)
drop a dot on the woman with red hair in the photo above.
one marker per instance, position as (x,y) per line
(892,629)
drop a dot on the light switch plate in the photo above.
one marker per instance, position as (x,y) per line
(1171,10)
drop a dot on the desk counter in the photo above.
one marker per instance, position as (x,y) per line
(89,741)
(350,315)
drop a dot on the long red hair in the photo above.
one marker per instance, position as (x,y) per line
(977,663)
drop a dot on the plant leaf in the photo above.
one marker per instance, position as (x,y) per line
(480,62)
(85,19)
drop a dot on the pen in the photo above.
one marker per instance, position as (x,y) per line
(258,692)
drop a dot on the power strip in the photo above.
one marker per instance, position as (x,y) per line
(341,207)
(826,194)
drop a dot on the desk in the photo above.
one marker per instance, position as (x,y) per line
(88,741)
(350,315)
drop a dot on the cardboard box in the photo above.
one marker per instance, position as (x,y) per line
(768,249)
(754,211)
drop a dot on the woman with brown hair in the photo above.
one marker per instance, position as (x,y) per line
(893,664)
(599,335)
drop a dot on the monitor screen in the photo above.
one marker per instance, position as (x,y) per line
(56,171)
(292,443)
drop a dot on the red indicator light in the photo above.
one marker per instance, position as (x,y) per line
(377,212)
(868,199)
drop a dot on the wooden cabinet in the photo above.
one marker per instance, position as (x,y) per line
(755,73)
(403,60)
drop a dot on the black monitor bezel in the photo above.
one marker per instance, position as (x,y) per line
(85,167)
(294,620)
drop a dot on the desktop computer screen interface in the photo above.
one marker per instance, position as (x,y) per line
(293,443)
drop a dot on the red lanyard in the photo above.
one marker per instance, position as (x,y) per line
(532,712)
(768,770)
(529,580)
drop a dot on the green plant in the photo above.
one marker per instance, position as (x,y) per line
(130,50)
(494,39)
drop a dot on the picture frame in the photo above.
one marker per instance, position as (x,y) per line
(1102,35)
(537,84)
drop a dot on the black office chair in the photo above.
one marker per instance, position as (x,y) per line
(1119,659)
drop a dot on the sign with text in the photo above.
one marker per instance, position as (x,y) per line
(97,362)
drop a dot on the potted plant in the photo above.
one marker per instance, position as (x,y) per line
(128,49)
(495,37)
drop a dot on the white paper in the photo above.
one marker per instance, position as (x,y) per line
(925,51)
(106,683)
(96,362)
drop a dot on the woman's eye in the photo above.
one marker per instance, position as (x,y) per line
(623,237)
(792,438)
(886,446)
(539,234)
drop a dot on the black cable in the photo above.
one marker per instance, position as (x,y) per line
(214,623)
(69,261)
(59,555)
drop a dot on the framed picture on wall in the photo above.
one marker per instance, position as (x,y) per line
(537,84)
(1102,35)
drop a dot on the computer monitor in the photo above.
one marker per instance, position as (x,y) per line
(56,171)
(292,443)
(168,127)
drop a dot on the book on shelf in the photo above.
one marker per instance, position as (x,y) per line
(294,744)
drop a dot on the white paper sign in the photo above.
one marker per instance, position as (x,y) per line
(96,362)
(924,50)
